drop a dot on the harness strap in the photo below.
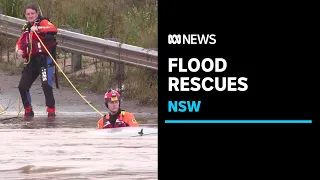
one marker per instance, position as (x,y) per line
(56,77)
(55,69)
(120,118)
(104,119)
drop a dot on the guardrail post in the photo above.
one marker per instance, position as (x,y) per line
(118,68)
(76,59)
(76,62)
(119,74)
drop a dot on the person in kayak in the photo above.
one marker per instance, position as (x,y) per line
(38,62)
(116,117)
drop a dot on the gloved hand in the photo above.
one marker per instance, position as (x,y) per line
(34,28)
(19,53)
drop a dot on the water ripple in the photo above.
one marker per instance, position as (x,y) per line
(75,153)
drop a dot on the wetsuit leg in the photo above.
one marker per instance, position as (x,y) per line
(46,72)
(29,75)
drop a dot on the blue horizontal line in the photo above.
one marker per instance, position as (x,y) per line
(234,121)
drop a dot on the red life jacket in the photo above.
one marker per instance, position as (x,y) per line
(32,44)
(119,121)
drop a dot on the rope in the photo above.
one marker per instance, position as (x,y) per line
(19,107)
(3,110)
(66,76)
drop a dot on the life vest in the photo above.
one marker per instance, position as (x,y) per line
(30,42)
(119,121)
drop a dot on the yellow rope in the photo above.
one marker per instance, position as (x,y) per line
(3,110)
(19,107)
(66,76)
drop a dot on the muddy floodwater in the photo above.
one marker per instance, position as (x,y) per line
(72,148)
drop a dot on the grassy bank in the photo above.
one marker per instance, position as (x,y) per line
(129,21)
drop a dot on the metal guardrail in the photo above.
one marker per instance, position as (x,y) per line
(90,46)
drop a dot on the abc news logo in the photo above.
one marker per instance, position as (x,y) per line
(191,39)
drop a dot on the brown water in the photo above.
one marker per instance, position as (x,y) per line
(73,149)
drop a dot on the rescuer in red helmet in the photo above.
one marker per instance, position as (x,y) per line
(116,116)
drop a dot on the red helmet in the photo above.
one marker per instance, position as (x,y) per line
(111,95)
